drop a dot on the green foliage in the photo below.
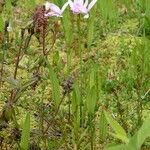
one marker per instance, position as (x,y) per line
(137,140)
(109,11)
(8,6)
(91,23)
(30,4)
(103,126)
(118,147)
(67,26)
(1,23)
(119,131)
(127,3)
(25,136)
(76,100)
(55,87)
(91,100)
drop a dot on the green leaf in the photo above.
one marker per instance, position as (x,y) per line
(120,132)
(67,26)
(91,25)
(109,11)
(117,147)
(25,133)
(30,4)
(121,137)
(91,100)
(83,135)
(76,98)
(55,87)
(8,6)
(92,76)
(138,139)
(1,23)
(102,126)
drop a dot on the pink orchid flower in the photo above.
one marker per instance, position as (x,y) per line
(54,10)
(81,6)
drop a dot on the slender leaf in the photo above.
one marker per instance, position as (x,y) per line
(91,100)
(1,23)
(102,126)
(25,133)
(117,147)
(55,87)
(138,139)
(120,132)
(91,24)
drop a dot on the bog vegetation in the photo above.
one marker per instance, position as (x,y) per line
(75,75)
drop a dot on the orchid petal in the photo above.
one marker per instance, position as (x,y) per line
(64,7)
(78,7)
(86,16)
(70,3)
(91,4)
(54,8)
(47,5)
(49,14)
(74,7)
(86,3)
(83,9)
(79,2)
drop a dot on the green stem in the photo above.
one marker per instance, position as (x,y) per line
(91,131)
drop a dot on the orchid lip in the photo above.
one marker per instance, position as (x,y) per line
(81,7)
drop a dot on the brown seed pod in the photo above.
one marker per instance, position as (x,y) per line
(40,23)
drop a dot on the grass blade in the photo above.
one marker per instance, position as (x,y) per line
(25,133)
(55,87)
(120,132)
(91,100)
(138,139)
(102,126)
